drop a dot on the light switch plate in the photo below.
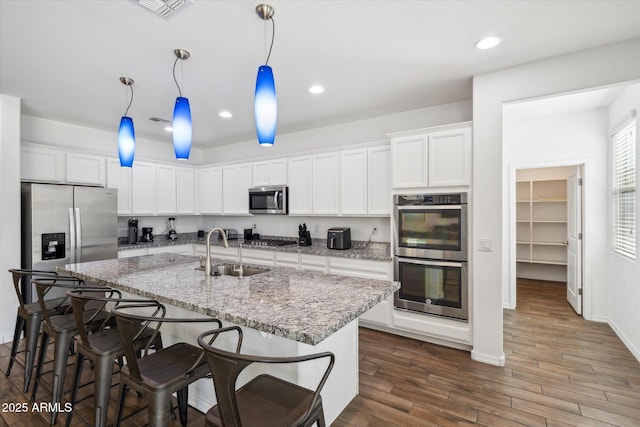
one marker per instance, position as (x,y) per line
(485,244)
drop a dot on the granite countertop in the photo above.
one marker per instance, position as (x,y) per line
(374,251)
(304,306)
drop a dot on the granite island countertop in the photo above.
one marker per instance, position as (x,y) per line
(304,306)
(376,251)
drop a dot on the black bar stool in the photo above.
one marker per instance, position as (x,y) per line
(101,345)
(29,318)
(263,398)
(157,375)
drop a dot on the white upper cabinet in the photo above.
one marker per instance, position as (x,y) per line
(236,181)
(120,179)
(143,188)
(40,164)
(426,158)
(325,183)
(379,180)
(409,161)
(450,158)
(185,185)
(300,185)
(85,169)
(353,182)
(165,189)
(211,190)
(270,172)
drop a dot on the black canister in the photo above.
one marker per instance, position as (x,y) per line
(132,232)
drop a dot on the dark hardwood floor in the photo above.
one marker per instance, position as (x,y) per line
(560,370)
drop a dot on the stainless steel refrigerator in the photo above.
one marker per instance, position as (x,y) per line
(63,224)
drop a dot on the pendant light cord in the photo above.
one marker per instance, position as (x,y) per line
(273,35)
(131,101)
(174,76)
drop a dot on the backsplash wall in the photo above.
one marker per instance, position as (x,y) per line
(268,225)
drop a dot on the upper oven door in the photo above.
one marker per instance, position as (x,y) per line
(268,200)
(437,232)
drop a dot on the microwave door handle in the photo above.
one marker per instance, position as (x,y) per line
(276,199)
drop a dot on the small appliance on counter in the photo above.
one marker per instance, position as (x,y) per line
(304,235)
(132,233)
(147,234)
(172,235)
(248,233)
(231,234)
(339,238)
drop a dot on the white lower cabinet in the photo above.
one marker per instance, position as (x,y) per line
(287,259)
(253,256)
(132,252)
(379,314)
(186,249)
(227,254)
(368,269)
(313,262)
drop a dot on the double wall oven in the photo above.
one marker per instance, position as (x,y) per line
(430,243)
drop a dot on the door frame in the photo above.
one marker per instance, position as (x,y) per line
(511,292)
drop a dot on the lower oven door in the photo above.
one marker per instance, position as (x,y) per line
(432,287)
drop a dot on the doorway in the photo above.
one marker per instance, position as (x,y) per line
(548,214)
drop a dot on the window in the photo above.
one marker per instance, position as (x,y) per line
(624,190)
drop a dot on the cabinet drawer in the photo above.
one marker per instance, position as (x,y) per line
(360,268)
(313,262)
(252,256)
(287,259)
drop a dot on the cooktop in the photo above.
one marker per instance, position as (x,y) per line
(270,242)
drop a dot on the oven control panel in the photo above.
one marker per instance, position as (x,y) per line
(430,199)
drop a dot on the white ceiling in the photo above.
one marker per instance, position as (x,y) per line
(64,58)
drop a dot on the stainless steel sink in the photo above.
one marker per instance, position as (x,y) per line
(235,269)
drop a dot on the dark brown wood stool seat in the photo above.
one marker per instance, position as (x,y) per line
(265,400)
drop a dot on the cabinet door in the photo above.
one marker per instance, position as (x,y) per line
(379,181)
(120,179)
(166,189)
(353,182)
(40,165)
(409,156)
(186,190)
(325,183)
(450,158)
(143,188)
(84,169)
(211,190)
(261,174)
(300,178)
(230,189)
(244,183)
(278,172)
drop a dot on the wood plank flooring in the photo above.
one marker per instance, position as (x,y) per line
(560,370)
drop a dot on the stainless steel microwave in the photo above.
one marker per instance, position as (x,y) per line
(272,200)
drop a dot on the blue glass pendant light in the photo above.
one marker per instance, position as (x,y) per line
(182,130)
(126,133)
(265,102)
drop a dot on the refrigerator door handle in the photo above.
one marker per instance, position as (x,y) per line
(72,235)
(78,236)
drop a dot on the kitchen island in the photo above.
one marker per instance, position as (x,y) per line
(283,312)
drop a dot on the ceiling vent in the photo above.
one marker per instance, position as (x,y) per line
(162,8)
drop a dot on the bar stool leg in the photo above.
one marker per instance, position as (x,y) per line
(74,388)
(183,404)
(61,354)
(16,340)
(32,332)
(121,398)
(44,344)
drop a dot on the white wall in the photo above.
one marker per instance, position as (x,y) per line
(569,138)
(9,211)
(624,289)
(582,70)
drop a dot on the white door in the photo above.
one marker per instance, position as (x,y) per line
(574,241)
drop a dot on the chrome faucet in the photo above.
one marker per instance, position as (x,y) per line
(207,263)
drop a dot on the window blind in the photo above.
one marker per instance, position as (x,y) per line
(624,190)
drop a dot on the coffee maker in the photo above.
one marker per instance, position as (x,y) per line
(132,233)
(147,234)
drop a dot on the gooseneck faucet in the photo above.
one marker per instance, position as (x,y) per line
(207,263)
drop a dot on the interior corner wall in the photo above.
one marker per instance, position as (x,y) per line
(624,286)
(337,136)
(9,211)
(603,66)
(571,138)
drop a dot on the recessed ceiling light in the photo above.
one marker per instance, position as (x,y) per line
(316,89)
(487,42)
(225,114)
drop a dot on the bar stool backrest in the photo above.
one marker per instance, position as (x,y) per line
(22,279)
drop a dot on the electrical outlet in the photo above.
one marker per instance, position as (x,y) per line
(485,244)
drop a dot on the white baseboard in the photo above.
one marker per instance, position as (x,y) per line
(626,341)
(488,358)
(599,319)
